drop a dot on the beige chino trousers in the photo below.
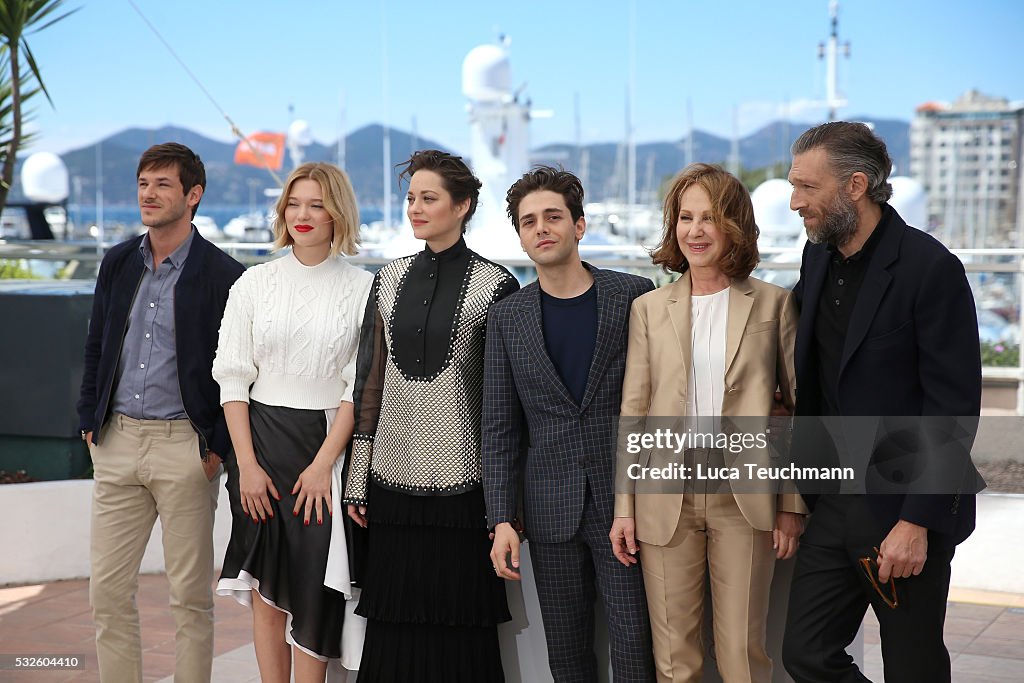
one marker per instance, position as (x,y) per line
(144,469)
(712,536)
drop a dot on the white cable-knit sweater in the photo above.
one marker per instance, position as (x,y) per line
(290,333)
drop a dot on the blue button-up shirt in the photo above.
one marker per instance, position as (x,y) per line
(147,373)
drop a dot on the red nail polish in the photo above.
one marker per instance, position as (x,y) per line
(307,522)
(296,514)
(320,522)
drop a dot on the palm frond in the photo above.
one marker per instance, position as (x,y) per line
(30,58)
(47,11)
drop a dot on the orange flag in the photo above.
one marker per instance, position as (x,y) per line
(262,149)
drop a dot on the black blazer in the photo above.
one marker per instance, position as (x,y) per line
(911,349)
(199,299)
(570,444)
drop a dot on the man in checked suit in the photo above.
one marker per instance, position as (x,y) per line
(555,358)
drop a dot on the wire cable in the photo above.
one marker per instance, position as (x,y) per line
(234,128)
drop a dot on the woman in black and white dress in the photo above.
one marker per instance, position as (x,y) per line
(430,596)
(286,367)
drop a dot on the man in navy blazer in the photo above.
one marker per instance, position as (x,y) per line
(150,411)
(554,363)
(887,328)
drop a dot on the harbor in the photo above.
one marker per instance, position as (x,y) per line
(958,156)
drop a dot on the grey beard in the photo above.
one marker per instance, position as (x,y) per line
(838,225)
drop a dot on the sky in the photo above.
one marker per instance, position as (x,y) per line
(342,64)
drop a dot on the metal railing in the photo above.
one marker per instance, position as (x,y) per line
(81,260)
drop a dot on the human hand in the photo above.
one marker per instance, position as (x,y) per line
(506,542)
(253,486)
(789,526)
(517,524)
(779,408)
(623,538)
(903,552)
(358,514)
(313,491)
(211,466)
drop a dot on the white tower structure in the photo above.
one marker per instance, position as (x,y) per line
(781,228)
(779,225)
(499,146)
(830,53)
(910,201)
(44,178)
(300,135)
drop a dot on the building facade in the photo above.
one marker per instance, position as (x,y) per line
(968,156)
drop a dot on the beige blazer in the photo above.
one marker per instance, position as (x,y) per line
(760,336)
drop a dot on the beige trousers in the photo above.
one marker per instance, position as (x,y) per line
(712,535)
(144,469)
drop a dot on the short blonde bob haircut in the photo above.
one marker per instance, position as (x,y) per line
(339,200)
(731,211)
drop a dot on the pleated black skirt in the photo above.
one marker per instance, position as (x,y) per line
(430,595)
(282,558)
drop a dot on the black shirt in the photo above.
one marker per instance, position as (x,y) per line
(835,308)
(570,335)
(424,314)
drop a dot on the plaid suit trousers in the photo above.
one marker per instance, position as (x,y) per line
(567,575)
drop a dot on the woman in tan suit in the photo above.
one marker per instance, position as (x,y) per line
(715,343)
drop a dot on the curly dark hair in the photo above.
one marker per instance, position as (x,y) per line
(458,180)
(541,178)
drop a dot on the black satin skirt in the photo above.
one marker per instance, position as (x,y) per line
(430,595)
(282,558)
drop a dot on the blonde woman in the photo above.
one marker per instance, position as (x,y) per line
(286,367)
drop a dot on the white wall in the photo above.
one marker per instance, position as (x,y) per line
(44,535)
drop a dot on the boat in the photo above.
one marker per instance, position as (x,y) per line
(253,226)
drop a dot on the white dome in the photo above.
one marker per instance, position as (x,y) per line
(44,178)
(771,209)
(299,133)
(486,74)
(910,201)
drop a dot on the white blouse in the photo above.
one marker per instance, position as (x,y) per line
(709,317)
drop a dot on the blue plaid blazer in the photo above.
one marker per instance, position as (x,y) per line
(536,438)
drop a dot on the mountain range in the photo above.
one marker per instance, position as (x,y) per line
(601,165)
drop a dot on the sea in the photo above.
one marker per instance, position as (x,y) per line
(128,214)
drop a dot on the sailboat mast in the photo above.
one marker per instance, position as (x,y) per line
(689,131)
(341,152)
(99,196)
(386,143)
(830,53)
(630,137)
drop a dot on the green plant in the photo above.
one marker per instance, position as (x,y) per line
(1000,354)
(755,176)
(15,269)
(18,19)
